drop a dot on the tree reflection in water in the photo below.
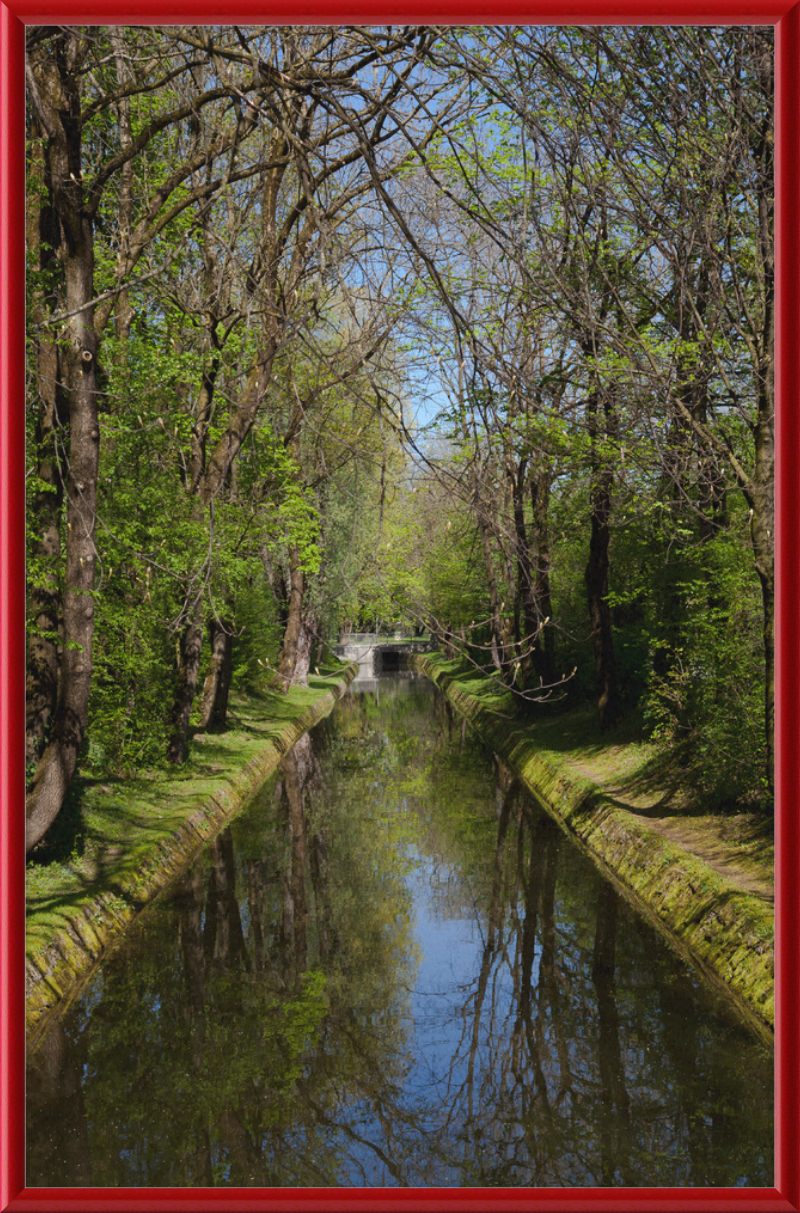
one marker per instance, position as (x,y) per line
(393,970)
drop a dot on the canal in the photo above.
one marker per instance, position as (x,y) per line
(393,969)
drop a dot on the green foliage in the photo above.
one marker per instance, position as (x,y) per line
(258,635)
(705,671)
(553,344)
(131,689)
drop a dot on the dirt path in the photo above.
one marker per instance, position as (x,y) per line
(709,839)
(735,846)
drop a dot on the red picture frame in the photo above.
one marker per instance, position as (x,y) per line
(14,15)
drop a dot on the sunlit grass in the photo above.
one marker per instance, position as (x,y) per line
(114,826)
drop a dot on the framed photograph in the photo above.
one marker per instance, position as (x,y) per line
(675,312)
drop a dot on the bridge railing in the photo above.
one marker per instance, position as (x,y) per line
(380,638)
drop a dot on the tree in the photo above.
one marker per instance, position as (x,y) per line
(78,168)
(187,105)
(638,208)
(268,243)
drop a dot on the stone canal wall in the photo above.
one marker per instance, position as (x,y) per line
(726,933)
(62,955)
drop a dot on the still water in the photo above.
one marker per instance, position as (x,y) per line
(392,969)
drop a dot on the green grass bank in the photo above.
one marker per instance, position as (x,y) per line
(137,835)
(726,931)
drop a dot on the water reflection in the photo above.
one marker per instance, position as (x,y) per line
(393,970)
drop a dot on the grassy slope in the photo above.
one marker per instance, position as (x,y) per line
(138,833)
(648,781)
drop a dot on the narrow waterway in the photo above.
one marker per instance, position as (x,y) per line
(393,969)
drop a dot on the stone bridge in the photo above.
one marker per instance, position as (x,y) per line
(377,654)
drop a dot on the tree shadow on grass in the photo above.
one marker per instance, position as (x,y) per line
(673,779)
(665,776)
(579,729)
(66,836)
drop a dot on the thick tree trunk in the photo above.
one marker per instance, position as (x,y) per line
(60,756)
(305,641)
(186,685)
(214,711)
(293,636)
(44,591)
(275,579)
(597,568)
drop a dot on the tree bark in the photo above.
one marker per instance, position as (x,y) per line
(61,104)
(44,591)
(597,567)
(293,636)
(276,580)
(186,685)
(214,711)
(304,646)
